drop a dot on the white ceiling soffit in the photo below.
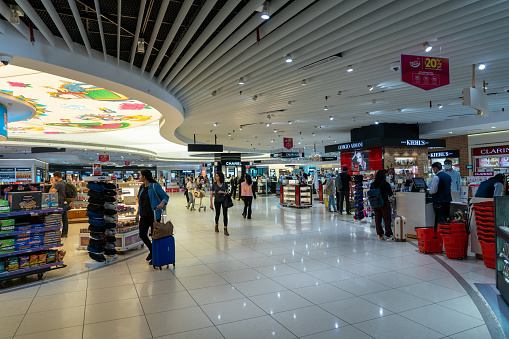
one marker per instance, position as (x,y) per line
(194,48)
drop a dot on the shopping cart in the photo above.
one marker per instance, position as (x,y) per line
(199,195)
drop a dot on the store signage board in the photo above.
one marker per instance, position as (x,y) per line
(6,169)
(26,169)
(444,154)
(329,158)
(385,142)
(490,150)
(104,158)
(483,174)
(233,163)
(291,154)
(96,169)
(288,143)
(127,163)
(425,72)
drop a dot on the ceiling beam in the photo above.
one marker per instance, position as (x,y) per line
(36,19)
(138,28)
(58,22)
(119,18)
(198,20)
(171,35)
(21,27)
(99,21)
(155,32)
(77,18)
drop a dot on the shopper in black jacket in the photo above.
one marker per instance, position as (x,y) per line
(344,192)
(383,212)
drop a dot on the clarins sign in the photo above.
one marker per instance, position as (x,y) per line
(498,150)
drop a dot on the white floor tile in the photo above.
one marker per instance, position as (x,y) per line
(56,319)
(256,328)
(159,287)
(463,305)
(9,325)
(297,280)
(395,300)
(241,275)
(208,332)
(58,301)
(257,287)
(346,332)
(355,310)
(15,307)
(280,301)
(167,302)
(322,293)
(133,327)
(206,280)
(277,270)
(215,294)
(232,310)
(112,310)
(424,273)
(394,279)
(75,332)
(107,294)
(332,274)
(395,326)
(360,286)
(431,292)
(177,321)
(474,333)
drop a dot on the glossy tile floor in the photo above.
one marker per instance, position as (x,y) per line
(286,273)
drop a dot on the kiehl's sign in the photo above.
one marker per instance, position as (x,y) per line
(490,150)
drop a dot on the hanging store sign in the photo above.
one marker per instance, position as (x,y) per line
(127,163)
(96,169)
(483,174)
(385,142)
(425,72)
(288,143)
(490,150)
(104,158)
(444,154)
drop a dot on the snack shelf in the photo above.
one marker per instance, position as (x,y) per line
(125,241)
(32,270)
(9,234)
(30,250)
(14,214)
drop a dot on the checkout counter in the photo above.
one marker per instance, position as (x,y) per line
(416,206)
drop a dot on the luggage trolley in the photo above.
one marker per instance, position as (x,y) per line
(199,195)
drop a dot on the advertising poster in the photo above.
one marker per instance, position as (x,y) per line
(360,161)
(104,158)
(96,169)
(288,143)
(425,72)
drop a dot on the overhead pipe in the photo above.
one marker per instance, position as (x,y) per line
(58,22)
(100,23)
(79,23)
(155,32)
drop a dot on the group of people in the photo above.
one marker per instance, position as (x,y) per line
(192,184)
(337,187)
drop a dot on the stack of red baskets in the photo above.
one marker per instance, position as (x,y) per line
(429,240)
(485,223)
(455,236)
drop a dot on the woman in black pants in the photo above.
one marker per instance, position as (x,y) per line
(151,200)
(219,191)
(247,193)
(383,212)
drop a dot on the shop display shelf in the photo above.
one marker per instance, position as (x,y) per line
(32,270)
(10,234)
(15,214)
(30,250)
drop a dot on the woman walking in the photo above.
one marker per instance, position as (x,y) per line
(219,192)
(151,196)
(383,212)
(247,194)
(330,191)
(191,186)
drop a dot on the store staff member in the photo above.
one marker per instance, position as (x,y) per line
(440,191)
(59,187)
(493,187)
(455,176)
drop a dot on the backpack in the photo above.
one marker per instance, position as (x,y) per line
(375,198)
(339,183)
(71,192)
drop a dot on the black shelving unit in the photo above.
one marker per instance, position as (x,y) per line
(501,240)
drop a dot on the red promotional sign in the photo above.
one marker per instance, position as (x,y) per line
(483,174)
(127,163)
(104,158)
(97,169)
(425,72)
(490,150)
(288,143)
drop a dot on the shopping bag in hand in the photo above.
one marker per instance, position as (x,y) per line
(161,230)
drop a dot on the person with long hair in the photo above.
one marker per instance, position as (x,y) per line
(191,186)
(247,194)
(383,212)
(219,191)
(151,200)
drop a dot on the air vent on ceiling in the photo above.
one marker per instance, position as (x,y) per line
(321,62)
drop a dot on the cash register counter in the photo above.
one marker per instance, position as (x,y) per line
(419,213)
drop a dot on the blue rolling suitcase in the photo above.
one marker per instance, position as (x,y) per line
(163,252)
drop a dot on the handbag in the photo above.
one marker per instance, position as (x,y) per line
(229,201)
(161,230)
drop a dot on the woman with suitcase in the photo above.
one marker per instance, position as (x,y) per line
(151,196)
(220,191)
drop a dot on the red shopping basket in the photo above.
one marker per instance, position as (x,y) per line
(455,245)
(488,253)
(430,241)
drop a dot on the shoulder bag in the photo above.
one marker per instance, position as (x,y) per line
(161,229)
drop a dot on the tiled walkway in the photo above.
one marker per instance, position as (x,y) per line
(286,273)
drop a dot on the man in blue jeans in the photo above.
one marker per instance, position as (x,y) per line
(59,187)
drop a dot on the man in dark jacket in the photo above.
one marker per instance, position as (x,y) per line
(492,187)
(343,192)
(440,191)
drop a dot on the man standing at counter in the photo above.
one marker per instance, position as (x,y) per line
(440,191)
(455,176)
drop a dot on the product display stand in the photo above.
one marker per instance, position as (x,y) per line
(29,248)
(294,195)
(359,198)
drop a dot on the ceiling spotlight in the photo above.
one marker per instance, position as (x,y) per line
(271,140)
(450,132)
(399,110)
(289,103)
(329,137)
(303,83)
(229,134)
(377,122)
(350,68)
(268,124)
(427,47)
(275,130)
(370,88)
(215,124)
(373,101)
(314,134)
(289,122)
(255,97)
(482,66)
(265,11)
(288,58)
(214,93)
(325,108)
(439,106)
(339,92)
(240,128)
(331,118)
(335,141)
(493,127)
(241,81)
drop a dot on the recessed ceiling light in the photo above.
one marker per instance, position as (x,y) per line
(241,81)
(482,66)
(325,108)
(493,127)
(265,11)
(439,106)
(268,124)
(303,82)
(450,132)
(350,68)
(335,141)
(427,47)
(214,93)
(314,134)
(255,97)
(275,130)
(289,103)
(271,140)
(370,88)
(240,128)
(340,92)
(299,142)
(289,122)
(377,122)
(288,58)
(215,124)
(331,118)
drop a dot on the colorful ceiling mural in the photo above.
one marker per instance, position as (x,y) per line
(66,106)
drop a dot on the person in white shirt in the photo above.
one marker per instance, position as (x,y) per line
(191,186)
(455,176)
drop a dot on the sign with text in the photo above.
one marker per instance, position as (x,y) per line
(425,72)
(233,163)
(490,150)
(96,169)
(483,174)
(104,158)
(127,163)
(444,154)
(288,143)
